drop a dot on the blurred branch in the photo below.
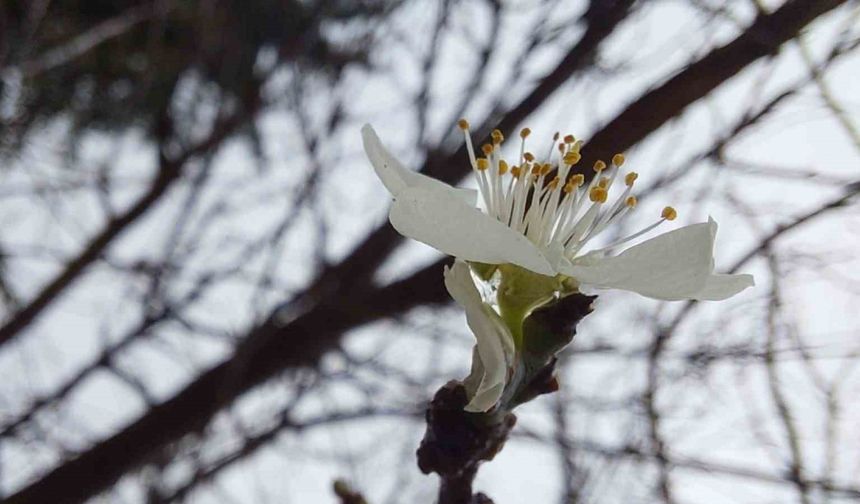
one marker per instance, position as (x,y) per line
(262,355)
(784,413)
(252,443)
(826,92)
(765,242)
(170,170)
(752,118)
(633,453)
(346,495)
(763,38)
(571,479)
(649,398)
(839,201)
(150,322)
(84,42)
(313,323)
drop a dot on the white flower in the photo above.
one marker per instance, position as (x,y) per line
(540,217)
(494,353)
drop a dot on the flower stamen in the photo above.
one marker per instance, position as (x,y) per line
(669,213)
(497,137)
(598,194)
(548,209)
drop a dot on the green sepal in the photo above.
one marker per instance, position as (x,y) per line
(520,291)
(546,331)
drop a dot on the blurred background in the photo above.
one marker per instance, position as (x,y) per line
(201,299)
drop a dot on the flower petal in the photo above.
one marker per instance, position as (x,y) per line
(672,266)
(395,177)
(485,397)
(718,286)
(495,345)
(476,374)
(447,223)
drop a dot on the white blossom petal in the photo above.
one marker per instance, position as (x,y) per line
(719,286)
(476,374)
(495,346)
(672,266)
(396,178)
(447,223)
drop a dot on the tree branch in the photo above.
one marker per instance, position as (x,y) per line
(169,172)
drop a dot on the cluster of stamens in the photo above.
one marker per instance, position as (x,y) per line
(548,203)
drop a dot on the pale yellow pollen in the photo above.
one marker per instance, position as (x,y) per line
(516,171)
(630,178)
(503,167)
(603,182)
(497,136)
(528,156)
(569,187)
(525,132)
(483,164)
(487,149)
(598,194)
(599,166)
(618,159)
(463,124)
(571,158)
(553,184)
(631,201)
(577,180)
(546,168)
(669,213)
(569,139)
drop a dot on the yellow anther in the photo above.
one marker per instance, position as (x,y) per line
(577,180)
(497,136)
(525,132)
(529,157)
(536,169)
(571,158)
(599,166)
(630,178)
(516,171)
(553,184)
(598,194)
(669,213)
(546,168)
(631,201)
(569,187)
(487,149)
(561,147)
(503,167)
(569,139)
(463,124)
(483,164)
(618,159)
(603,182)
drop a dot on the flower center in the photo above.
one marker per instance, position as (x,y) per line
(548,203)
